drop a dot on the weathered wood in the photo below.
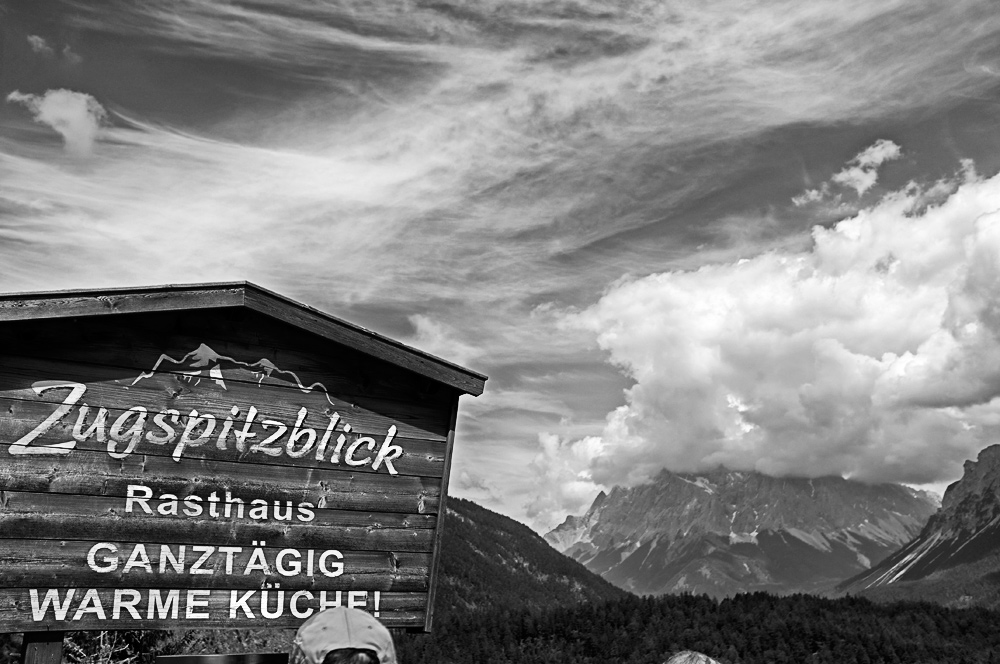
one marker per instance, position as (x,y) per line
(65,304)
(395,609)
(42,648)
(198,506)
(222,533)
(422,458)
(111,389)
(379,389)
(239,295)
(94,473)
(73,491)
(287,512)
(442,511)
(347,374)
(64,563)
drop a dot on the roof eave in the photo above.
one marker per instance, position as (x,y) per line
(178,297)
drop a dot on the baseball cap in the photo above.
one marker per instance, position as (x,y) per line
(341,627)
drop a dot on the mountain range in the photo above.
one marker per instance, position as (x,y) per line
(723,532)
(955,559)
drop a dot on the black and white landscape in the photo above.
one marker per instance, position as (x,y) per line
(732,268)
(724,532)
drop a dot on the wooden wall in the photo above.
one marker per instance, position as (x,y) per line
(64,495)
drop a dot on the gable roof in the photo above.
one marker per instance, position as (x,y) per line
(69,303)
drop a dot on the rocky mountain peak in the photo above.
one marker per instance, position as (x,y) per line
(722,531)
(981,478)
(964,530)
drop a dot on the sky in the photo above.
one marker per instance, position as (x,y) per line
(763,235)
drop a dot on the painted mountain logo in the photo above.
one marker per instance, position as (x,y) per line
(235,431)
(205,363)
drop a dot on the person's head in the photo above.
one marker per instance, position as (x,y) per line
(342,636)
(351,656)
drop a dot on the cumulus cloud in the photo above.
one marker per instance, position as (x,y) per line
(76,116)
(565,483)
(860,174)
(875,355)
(39,45)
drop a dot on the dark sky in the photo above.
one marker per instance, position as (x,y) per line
(761,234)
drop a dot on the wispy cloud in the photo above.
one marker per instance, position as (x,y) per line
(458,173)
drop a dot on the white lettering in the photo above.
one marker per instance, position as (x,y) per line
(227,425)
(368,442)
(132,436)
(138,558)
(97,429)
(338,568)
(191,506)
(267,445)
(128,430)
(295,604)
(51,599)
(258,563)
(279,604)
(240,603)
(161,607)
(321,448)
(299,432)
(206,553)
(388,453)
(120,603)
(167,557)
(229,551)
(197,599)
(20,446)
(132,496)
(243,435)
(293,568)
(169,432)
(187,438)
(169,505)
(91,603)
(305,512)
(325,604)
(106,564)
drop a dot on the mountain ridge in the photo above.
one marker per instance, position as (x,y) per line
(959,547)
(722,532)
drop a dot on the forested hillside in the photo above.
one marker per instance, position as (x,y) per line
(492,562)
(747,629)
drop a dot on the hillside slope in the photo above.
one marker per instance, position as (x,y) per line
(490,561)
